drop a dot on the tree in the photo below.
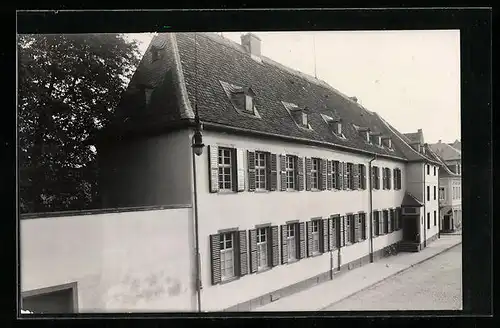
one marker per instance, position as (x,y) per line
(68,86)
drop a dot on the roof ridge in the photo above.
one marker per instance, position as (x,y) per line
(456,150)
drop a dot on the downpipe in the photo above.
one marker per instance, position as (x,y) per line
(370,190)
(198,285)
(426,194)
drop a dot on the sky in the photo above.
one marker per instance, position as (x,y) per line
(411,78)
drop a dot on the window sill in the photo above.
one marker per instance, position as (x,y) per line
(226,192)
(292,190)
(292,261)
(228,280)
(316,254)
(262,191)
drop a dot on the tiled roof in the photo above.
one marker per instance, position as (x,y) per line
(436,157)
(457,145)
(410,200)
(412,137)
(446,152)
(179,81)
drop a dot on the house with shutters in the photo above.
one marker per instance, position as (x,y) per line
(450,184)
(296,184)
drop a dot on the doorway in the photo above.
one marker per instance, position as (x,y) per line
(411,228)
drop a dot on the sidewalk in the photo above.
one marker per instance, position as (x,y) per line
(325,294)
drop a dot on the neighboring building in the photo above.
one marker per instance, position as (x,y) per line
(450,184)
(297,181)
(457,145)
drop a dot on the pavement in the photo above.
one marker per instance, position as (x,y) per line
(324,295)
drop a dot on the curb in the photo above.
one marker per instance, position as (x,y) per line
(392,275)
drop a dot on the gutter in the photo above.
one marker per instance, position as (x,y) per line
(371,207)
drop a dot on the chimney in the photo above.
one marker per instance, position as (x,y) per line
(251,43)
(439,141)
(419,130)
(354,98)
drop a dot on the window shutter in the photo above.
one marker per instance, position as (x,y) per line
(325,241)
(374,223)
(389,221)
(273,174)
(215,258)
(302,241)
(253,250)
(381,223)
(383,178)
(309,238)
(213,155)
(363,171)
(355,176)
(324,174)
(357,228)
(299,178)
(329,174)
(372,177)
(344,174)
(331,236)
(377,179)
(308,173)
(395,182)
(338,233)
(340,178)
(283,172)
(239,170)
(363,226)
(284,245)
(399,179)
(243,258)
(275,246)
(389,179)
(251,170)
(342,232)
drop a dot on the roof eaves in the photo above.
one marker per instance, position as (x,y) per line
(218,126)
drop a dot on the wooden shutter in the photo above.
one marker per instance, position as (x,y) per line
(389,179)
(284,245)
(363,226)
(215,258)
(338,233)
(324,174)
(302,240)
(299,178)
(389,221)
(308,173)
(344,175)
(399,179)
(329,175)
(381,219)
(355,176)
(363,177)
(243,258)
(395,172)
(239,169)
(253,250)
(251,170)
(275,246)
(357,228)
(309,238)
(342,232)
(377,179)
(340,177)
(373,177)
(374,223)
(325,241)
(383,178)
(283,172)
(213,157)
(331,236)
(273,174)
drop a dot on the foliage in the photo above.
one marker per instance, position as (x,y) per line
(68,86)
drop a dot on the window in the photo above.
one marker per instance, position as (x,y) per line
(428,220)
(376,225)
(338,128)
(249,103)
(225,169)
(304,120)
(397,179)
(434,171)
(434,192)
(428,193)
(315,236)
(428,169)
(291,233)
(290,172)
(376,177)
(262,248)
(459,169)
(349,176)
(260,171)
(227,256)
(435,218)
(349,228)
(441,193)
(386,222)
(314,173)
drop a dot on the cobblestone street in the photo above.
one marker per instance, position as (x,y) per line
(433,285)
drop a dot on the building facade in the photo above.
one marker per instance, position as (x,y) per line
(450,180)
(296,182)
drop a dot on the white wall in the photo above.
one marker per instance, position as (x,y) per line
(247,209)
(431,205)
(130,261)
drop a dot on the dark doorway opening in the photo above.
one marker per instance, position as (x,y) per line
(411,228)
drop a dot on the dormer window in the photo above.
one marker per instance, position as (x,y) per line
(387,142)
(338,128)
(376,140)
(304,119)
(367,136)
(243,99)
(335,124)
(249,103)
(300,115)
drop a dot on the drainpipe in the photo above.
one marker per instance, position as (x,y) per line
(425,213)
(370,190)
(439,206)
(197,243)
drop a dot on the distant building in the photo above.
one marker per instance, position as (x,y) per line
(450,184)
